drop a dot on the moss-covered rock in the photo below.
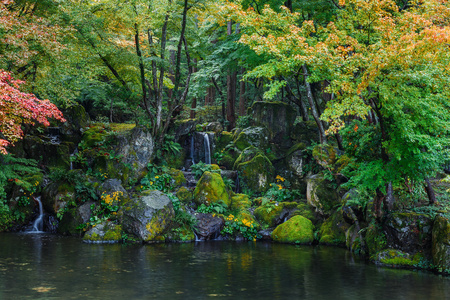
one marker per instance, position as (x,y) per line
(50,154)
(252,136)
(178,178)
(375,239)
(56,195)
(332,231)
(441,243)
(223,139)
(105,232)
(148,217)
(74,218)
(321,194)
(298,230)
(397,259)
(211,189)
(119,151)
(295,159)
(240,202)
(408,231)
(275,213)
(256,173)
(305,132)
(184,195)
(277,117)
(175,160)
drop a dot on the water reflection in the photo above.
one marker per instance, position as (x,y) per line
(45,266)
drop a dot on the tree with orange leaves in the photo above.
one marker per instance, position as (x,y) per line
(387,66)
(17,108)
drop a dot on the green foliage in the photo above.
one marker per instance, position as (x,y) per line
(84,189)
(16,171)
(240,226)
(200,168)
(158,182)
(183,218)
(219,207)
(281,192)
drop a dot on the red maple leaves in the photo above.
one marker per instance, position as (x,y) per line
(17,108)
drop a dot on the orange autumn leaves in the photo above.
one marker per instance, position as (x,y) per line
(17,108)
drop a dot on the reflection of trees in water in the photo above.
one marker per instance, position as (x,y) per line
(65,267)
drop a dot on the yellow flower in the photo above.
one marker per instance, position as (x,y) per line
(156,177)
(279,178)
(151,182)
(279,187)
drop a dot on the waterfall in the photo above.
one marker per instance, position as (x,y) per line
(207,149)
(38,224)
(71,158)
(192,149)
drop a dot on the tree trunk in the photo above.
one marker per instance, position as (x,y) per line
(231,91)
(430,192)
(312,104)
(242,98)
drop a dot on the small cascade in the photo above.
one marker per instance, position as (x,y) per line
(71,158)
(38,225)
(191,182)
(237,187)
(192,149)
(207,149)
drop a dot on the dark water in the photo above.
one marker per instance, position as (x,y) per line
(38,266)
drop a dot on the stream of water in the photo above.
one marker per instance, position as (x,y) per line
(41,266)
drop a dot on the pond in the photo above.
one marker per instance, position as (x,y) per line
(42,266)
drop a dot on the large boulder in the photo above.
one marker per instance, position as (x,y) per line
(105,232)
(333,230)
(408,231)
(305,132)
(321,194)
(149,216)
(297,230)
(252,136)
(256,171)
(120,151)
(74,218)
(208,226)
(277,117)
(273,214)
(211,189)
(441,243)
(47,152)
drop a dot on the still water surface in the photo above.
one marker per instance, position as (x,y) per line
(40,266)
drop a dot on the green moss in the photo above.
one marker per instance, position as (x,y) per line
(177,177)
(175,160)
(122,127)
(295,148)
(257,174)
(240,202)
(268,214)
(183,234)
(397,258)
(306,211)
(184,195)
(332,231)
(114,234)
(375,239)
(298,230)
(252,136)
(223,139)
(210,189)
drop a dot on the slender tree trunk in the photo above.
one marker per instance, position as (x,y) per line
(430,191)
(389,199)
(231,91)
(194,101)
(222,98)
(141,65)
(316,116)
(242,98)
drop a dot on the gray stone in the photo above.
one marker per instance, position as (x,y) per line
(149,216)
(320,194)
(208,227)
